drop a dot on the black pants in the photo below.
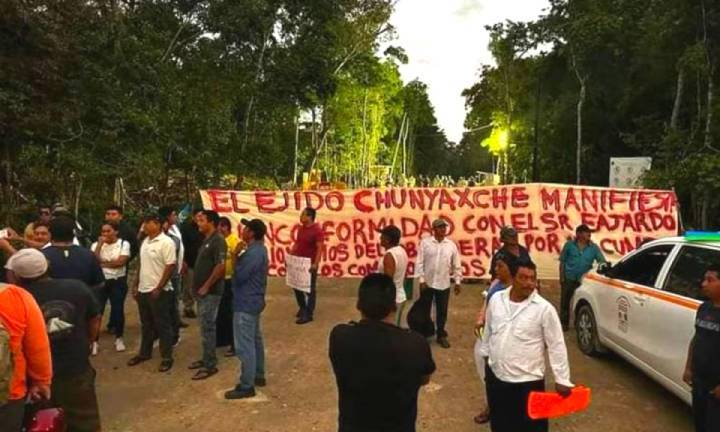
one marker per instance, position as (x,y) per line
(567,290)
(155,320)
(224,324)
(11,415)
(706,409)
(76,395)
(306,302)
(175,295)
(508,404)
(442,301)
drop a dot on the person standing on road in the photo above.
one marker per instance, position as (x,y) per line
(576,258)
(23,333)
(394,264)
(510,250)
(208,284)
(72,318)
(702,369)
(438,264)
(113,254)
(152,293)
(521,328)
(249,288)
(309,244)
(379,367)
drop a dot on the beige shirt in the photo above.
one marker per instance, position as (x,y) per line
(155,255)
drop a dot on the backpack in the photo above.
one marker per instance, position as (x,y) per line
(6,360)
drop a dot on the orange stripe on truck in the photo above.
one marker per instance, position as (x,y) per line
(629,286)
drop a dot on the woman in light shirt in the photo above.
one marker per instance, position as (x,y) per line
(113,254)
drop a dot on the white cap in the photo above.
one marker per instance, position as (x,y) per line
(27,264)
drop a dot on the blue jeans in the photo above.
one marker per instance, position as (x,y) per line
(249,348)
(207,308)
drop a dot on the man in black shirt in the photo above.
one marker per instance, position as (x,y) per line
(702,370)
(69,261)
(114,213)
(378,366)
(72,317)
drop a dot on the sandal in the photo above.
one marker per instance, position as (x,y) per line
(165,365)
(196,365)
(204,374)
(137,360)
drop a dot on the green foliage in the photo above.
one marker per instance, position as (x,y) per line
(164,96)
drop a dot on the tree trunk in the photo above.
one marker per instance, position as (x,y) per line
(297,143)
(578,150)
(709,116)
(364,159)
(679,90)
(258,76)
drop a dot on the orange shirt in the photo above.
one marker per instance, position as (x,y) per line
(29,342)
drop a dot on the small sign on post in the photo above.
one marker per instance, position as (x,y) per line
(298,272)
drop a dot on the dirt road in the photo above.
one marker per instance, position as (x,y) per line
(301,394)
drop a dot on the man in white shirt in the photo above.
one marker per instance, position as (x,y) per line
(438,263)
(520,326)
(152,291)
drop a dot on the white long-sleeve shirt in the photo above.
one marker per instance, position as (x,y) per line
(175,230)
(517,335)
(438,262)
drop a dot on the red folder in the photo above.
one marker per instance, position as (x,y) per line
(543,405)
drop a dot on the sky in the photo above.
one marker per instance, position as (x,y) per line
(447,43)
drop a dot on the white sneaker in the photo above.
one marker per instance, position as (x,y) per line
(119,345)
(95,347)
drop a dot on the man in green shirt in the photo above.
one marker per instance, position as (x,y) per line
(576,259)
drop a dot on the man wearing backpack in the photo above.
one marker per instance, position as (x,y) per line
(25,364)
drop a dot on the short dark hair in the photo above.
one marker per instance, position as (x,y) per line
(112,225)
(224,222)
(511,262)
(165,212)
(44,206)
(524,263)
(114,207)
(715,268)
(212,216)
(376,296)
(62,228)
(310,212)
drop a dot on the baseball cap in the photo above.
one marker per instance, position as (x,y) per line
(583,228)
(152,217)
(27,264)
(256,226)
(392,233)
(439,222)
(508,231)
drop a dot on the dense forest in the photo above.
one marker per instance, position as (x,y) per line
(143,101)
(593,79)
